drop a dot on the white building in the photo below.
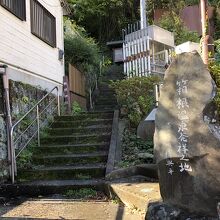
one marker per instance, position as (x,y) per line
(32,41)
(188,47)
(146,51)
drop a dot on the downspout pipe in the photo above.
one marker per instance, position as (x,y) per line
(3,73)
(143,14)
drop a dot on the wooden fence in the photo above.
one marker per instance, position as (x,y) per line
(77,86)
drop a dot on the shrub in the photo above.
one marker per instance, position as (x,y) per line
(136,95)
(172,22)
(217,49)
(214,68)
(132,147)
(82,52)
(76,109)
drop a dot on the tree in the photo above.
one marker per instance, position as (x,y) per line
(172,22)
(83,52)
(103,19)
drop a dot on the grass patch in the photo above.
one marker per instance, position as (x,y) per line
(81,194)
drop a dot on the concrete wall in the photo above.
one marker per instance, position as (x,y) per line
(27,54)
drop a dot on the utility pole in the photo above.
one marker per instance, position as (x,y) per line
(205,30)
(143,14)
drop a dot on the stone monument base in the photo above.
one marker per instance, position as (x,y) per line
(163,211)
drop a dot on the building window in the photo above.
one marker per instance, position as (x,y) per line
(16,7)
(43,23)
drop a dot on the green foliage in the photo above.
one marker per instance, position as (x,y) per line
(76,109)
(217,25)
(81,193)
(104,19)
(217,50)
(132,146)
(25,99)
(214,68)
(172,22)
(82,52)
(44,133)
(136,96)
(24,161)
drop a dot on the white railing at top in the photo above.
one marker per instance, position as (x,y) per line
(136,52)
(159,62)
(139,58)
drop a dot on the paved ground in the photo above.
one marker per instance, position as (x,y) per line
(66,209)
(137,191)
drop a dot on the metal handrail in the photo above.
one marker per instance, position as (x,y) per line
(13,167)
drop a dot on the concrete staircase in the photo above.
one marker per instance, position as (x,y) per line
(75,149)
(74,152)
(107,99)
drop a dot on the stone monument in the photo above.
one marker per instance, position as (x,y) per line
(187,148)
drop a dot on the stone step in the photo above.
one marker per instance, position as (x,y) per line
(79,131)
(105,87)
(107,94)
(107,91)
(103,98)
(79,172)
(136,191)
(70,149)
(106,107)
(48,187)
(106,104)
(106,98)
(79,123)
(71,159)
(106,101)
(73,139)
(85,116)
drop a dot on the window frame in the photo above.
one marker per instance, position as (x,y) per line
(13,12)
(53,18)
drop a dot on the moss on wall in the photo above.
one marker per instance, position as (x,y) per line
(22,98)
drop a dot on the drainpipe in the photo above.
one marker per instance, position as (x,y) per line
(8,116)
(143,14)
(205,26)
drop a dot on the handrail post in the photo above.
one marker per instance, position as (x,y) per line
(58,102)
(38,127)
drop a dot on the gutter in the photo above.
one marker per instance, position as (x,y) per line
(28,71)
(3,73)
